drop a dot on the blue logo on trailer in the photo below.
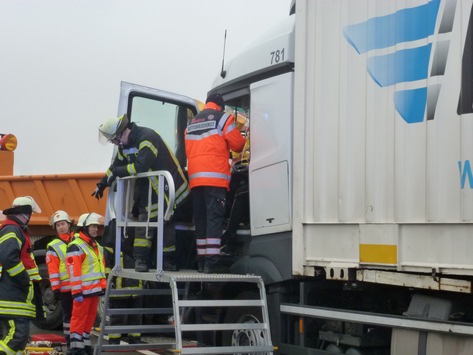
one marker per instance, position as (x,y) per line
(405,65)
(412,63)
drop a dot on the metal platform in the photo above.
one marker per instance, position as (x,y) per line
(173,287)
(183,276)
(176,287)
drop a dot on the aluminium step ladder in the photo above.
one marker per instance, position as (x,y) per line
(176,285)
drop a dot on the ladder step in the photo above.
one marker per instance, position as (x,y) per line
(223,326)
(137,224)
(136,347)
(124,311)
(228,350)
(142,292)
(221,303)
(154,328)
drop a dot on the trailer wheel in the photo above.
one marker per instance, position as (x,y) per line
(250,315)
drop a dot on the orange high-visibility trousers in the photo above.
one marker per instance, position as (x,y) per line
(82,321)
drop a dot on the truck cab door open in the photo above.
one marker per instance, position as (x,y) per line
(165,112)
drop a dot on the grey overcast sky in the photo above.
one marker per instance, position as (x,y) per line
(62,62)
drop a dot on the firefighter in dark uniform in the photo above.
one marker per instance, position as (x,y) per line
(141,149)
(18,271)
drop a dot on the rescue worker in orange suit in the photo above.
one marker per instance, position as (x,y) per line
(18,273)
(86,266)
(141,149)
(209,138)
(57,267)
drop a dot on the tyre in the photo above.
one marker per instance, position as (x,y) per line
(100,312)
(52,308)
(250,315)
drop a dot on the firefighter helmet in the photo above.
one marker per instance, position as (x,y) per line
(87,219)
(112,127)
(24,204)
(59,216)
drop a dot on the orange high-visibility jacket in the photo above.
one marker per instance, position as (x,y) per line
(209,138)
(56,261)
(86,266)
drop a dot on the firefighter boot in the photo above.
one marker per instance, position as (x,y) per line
(169,261)
(141,265)
(135,340)
(113,340)
(214,265)
(200,264)
(89,350)
(76,351)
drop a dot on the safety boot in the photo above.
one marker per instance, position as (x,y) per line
(214,265)
(169,261)
(200,264)
(141,265)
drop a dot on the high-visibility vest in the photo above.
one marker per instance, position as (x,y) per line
(209,138)
(56,261)
(86,266)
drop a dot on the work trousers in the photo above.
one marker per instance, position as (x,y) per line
(66,304)
(209,213)
(82,321)
(15,333)
(146,239)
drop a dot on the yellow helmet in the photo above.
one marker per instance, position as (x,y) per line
(87,219)
(59,216)
(113,127)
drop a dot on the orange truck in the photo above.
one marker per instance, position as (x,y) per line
(68,192)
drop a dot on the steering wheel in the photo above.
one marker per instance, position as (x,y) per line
(241,167)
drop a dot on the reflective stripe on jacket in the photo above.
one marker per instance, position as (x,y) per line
(56,261)
(209,138)
(16,287)
(146,151)
(86,266)
(27,257)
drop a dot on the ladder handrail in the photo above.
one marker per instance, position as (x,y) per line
(123,189)
(170,181)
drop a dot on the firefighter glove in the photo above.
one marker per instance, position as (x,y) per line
(79,298)
(98,193)
(111,179)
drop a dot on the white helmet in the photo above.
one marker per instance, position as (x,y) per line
(59,216)
(20,205)
(113,127)
(26,201)
(87,219)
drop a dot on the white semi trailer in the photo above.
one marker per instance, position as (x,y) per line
(360,187)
